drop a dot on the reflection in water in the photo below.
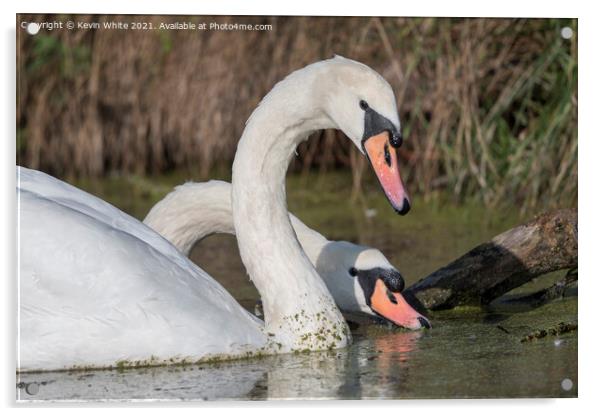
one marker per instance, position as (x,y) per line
(300,378)
(380,368)
(395,352)
(364,371)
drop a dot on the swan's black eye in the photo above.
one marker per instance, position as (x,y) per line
(363,105)
(353,271)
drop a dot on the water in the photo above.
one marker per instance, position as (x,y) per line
(469,353)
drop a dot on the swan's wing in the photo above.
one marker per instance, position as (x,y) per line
(76,199)
(95,295)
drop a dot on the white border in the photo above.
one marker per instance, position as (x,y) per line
(458,8)
(590,71)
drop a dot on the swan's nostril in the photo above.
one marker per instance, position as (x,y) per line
(387,155)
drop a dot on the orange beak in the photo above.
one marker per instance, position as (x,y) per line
(394,307)
(383,158)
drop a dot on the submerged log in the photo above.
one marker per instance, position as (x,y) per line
(545,244)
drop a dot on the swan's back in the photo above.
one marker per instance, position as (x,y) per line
(69,196)
(93,294)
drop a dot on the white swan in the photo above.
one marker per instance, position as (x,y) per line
(99,289)
(193,211)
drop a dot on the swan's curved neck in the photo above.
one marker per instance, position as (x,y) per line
(192,212)
(298,307)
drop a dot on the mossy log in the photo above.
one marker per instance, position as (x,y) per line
(511,259)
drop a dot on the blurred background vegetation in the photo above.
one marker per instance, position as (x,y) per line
(488,106)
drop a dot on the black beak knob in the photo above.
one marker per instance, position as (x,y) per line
(393,280)
(396,140)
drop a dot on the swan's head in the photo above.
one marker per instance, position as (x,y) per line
(361,279)
(362,105)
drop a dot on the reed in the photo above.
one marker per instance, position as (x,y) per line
(488,106)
